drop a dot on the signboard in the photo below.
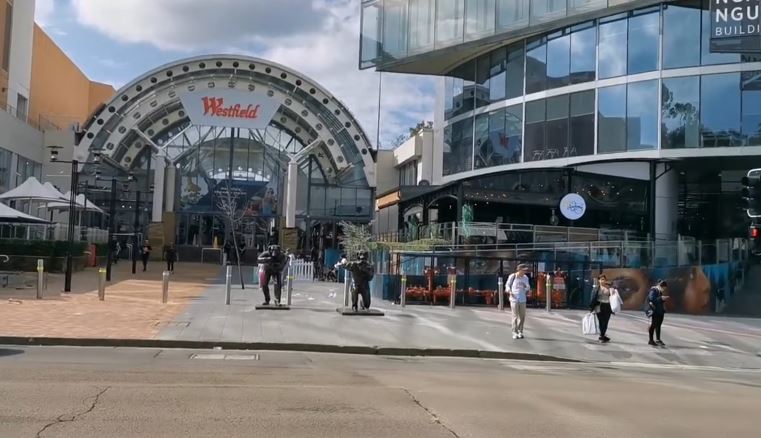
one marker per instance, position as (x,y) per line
(735,26)
(229,108)
(573,206)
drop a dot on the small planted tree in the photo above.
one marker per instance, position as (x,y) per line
(356,238)
(228,203)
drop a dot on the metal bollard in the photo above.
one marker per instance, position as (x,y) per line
(501,293)
(289,291)
(102,284)
(403,293)
(228,283)
(165,286)
(347,287)
(452,289)
(40,278)
(548,292)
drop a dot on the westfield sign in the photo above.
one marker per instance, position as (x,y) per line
(229,108)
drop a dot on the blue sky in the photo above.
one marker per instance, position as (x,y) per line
(116,41)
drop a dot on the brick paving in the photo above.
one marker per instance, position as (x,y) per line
(132,308)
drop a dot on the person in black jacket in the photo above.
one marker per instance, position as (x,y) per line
(656,311)
(272,262)
(600,304)
(362,271)
(170,255)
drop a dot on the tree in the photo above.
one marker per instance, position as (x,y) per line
(356,238)
(227,202)
(411,132)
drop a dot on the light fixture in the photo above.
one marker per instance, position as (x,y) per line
(53,155)
(131,176)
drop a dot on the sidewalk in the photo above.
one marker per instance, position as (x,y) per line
(132,308)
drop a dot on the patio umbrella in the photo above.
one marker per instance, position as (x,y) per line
(33,190)
(8,214)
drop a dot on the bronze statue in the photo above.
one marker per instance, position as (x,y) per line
(362,271)
(272,262)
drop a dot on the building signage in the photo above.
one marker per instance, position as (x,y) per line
(735,25)
(573,206)
(229,108)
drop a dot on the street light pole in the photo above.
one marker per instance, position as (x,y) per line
(111,228)
(134,231)
(72,213)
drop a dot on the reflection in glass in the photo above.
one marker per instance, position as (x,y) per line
(583,54)
(707,57)
(463,89)
(422,17)
(481,134)
(557,127)
(497,75)
(479,18)
(612,49)
(642,115)
(482,92)
(395,28)
(611,119)
(449,22)
(534,140)
(558,60)
(720,110)
(643,42)
(585,5)
(751,107)
(547,10)
(536,66)
(681,32)
(459,156)
(370,45)
(582,124)
(680,115)
(512,14)
(515,57)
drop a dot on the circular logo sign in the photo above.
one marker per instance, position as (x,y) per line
(573,206)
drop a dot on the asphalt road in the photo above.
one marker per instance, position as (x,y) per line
(104,392)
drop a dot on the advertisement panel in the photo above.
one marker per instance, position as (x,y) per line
(735,26)
(230,108)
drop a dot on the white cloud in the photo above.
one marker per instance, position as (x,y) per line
(44,11)
(318,38)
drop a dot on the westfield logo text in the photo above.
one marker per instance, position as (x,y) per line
(215,106)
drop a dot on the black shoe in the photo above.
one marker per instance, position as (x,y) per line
(606,339)
(354,309)
(661,343)
(652,343)
(266,303)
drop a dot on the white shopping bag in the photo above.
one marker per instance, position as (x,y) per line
(616,303)
(589,325)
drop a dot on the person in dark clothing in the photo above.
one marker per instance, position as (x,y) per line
(272,262)
(601,305)
(170,255)
(145,253)
(362,271)
(656,311)
(227,248)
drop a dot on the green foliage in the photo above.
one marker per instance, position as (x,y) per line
(356,238)
(46,248)
(417,245)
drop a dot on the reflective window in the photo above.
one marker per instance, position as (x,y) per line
(449,22)
(463,90)
(5,170)
(642,115)
(482,93)
(547,10)
(720,110)
(449,83)
(458,157)
(643,42)
(585,5)
(395,28)
(371,13)
(536,66)
(422,17)
(556,127)
(515,57)
(612,49)
(558,60)
(583,53)
(582,125)
(479,18)
(489,153)
(681,33)
(706,57)
(481,135)
(497,75)
(512,14)
(512,146)
(751,107)
(680,115)
(611,119)
(534,140)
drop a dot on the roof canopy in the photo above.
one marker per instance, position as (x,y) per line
(33,190)
(81,202)
(8,214)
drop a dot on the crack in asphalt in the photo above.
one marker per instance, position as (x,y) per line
(434,417)
(68,418)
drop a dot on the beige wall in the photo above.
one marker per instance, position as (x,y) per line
(60,92)
(3,72)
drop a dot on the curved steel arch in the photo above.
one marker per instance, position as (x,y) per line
(146,110)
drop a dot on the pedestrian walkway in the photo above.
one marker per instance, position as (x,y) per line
(697,341)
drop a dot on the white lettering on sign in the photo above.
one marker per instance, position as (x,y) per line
(736,18)
(230,108)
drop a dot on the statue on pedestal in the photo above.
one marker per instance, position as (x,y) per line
(362,271)
(272,262)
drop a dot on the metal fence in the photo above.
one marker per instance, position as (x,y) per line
(58,231)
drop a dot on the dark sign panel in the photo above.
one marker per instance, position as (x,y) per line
(735,25)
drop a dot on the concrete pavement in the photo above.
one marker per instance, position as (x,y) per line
(105,392)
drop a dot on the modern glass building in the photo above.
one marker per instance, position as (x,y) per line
(627,103)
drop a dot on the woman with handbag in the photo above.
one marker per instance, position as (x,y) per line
(600,304)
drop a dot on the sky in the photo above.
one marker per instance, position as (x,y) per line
(116,41)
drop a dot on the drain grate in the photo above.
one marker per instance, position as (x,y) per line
(221,356)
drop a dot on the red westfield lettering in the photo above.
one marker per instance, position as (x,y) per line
(215,106)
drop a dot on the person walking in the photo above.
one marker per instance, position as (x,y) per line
(145,252)
(517,287)
(600,305)
(656,311)
(170,255)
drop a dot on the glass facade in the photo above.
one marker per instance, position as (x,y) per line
(539,99)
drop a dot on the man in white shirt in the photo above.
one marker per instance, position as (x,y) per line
(517,288)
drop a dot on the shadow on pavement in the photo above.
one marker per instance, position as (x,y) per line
(10,352)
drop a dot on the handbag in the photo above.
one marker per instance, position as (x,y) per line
(589,325)
(616,303)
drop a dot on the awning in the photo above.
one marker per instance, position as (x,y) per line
(81,202)
(33,190)
(8,214)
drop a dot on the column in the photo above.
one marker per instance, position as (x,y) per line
(666,203)
(291,192)
(169,191)
(159,165)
